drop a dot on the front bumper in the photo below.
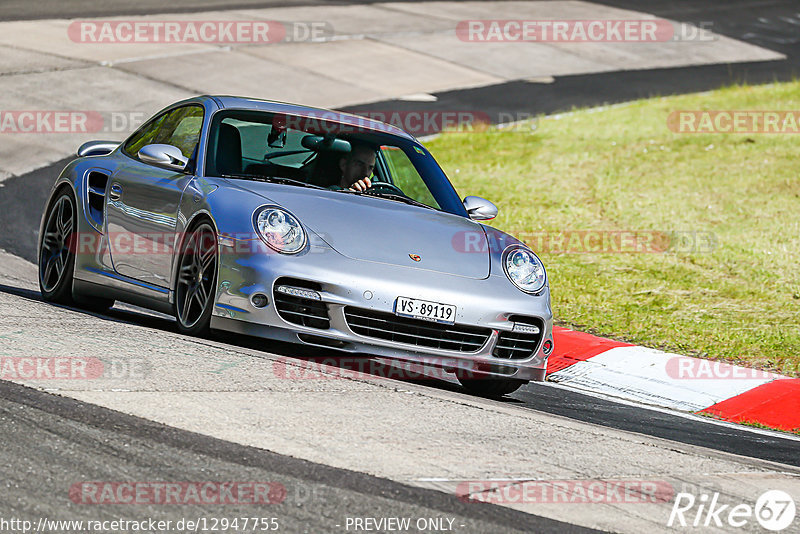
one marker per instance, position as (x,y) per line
(344,283)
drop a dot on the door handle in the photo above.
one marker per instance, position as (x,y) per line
(115,193)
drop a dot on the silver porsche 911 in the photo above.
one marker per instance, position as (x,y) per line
(303,225)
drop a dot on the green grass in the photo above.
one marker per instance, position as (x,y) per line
(756,424)
(621,168)
(748,422)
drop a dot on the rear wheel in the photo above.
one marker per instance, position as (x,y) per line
(491,387)
(56,259)
(197,274)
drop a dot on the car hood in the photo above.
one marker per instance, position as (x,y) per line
(385,231)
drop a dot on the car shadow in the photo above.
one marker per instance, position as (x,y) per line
(308,359)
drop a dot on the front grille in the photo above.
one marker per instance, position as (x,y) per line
(298,310)
(390,327)
(518,345)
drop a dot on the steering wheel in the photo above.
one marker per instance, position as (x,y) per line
(385,186)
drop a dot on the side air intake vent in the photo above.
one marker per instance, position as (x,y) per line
(96,184)
(299,302)
(522,341)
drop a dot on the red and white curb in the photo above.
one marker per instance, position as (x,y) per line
(649,376)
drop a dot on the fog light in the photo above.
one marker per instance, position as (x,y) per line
(526,328)
(547,348)
(299,292)
(259,300)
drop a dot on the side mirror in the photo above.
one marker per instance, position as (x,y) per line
(97,148)
(164,155)
(480,209)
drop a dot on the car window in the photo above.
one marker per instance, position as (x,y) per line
(255,145)
(253,135)
(144,136)
(180,128)
(404,175)
(256,149)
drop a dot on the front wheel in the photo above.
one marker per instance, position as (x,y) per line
(491,387)
(197,274)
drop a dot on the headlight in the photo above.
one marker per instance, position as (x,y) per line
(280,230)
(524,269)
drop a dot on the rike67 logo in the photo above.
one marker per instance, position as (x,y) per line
(774,510)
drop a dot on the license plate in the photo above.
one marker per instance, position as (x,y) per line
(423,309)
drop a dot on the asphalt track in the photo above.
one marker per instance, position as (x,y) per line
(63,434)
(69,437)
(22,197)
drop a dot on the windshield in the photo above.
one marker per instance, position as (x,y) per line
(312,152)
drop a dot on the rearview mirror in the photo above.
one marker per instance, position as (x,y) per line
(480,209)
(164,155)
(330,142)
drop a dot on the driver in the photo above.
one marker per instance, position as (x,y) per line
(357,167)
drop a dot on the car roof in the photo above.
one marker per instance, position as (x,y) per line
(349,119)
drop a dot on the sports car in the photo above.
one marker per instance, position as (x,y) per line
(237,214)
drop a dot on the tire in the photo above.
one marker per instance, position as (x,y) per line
(57,257)
(491,387)
(195,285)
(56,253)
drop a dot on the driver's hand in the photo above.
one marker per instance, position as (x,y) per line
(361,185)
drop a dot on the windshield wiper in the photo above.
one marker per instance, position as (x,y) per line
(399,198)
(271,180)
